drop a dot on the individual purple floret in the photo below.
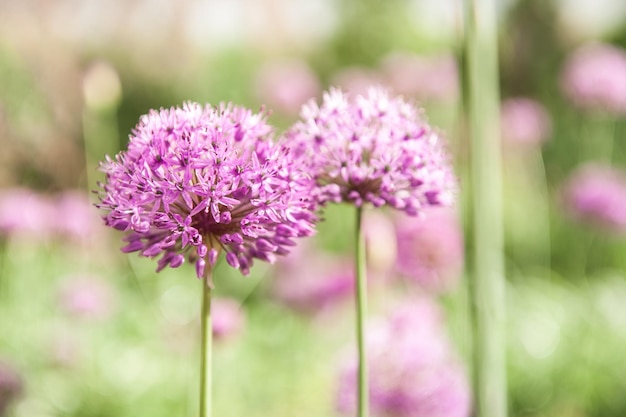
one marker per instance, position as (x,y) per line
(199,180)
(594,78)
(373,148)
(412,369)
(596,195)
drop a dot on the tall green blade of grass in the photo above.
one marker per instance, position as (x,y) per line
(487,280)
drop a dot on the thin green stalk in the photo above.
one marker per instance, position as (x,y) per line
(206,346)
(361,311)
(487,283)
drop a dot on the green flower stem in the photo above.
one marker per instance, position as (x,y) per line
(361,310)
(487,290)
(206,347)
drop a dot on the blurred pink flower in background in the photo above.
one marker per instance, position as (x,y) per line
(594,78)
(413,369)
(24,212)
(285,85)
(357,80)
(76,219)
(87,297)
(524,122)
(180,329)
(596,195)
(310,281)
(228,318)
(430,249)
(67,215)
(11,386)
(65,348)
(429,78)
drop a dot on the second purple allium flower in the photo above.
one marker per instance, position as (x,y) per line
(200,180)
(373,148)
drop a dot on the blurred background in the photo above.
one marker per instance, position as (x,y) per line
(86,331)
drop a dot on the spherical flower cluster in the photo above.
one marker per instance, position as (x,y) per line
(372,148)
(199,180)
(412,369)
(430,249)
(596,195)
(525,122)
(594,78)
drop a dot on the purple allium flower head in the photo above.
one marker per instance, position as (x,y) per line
(413,371)
(596,195)
(594,78)
(11,386)
(228,319)
(199,180)
(525,122)
(373,148)
(430,249)
(286,85)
